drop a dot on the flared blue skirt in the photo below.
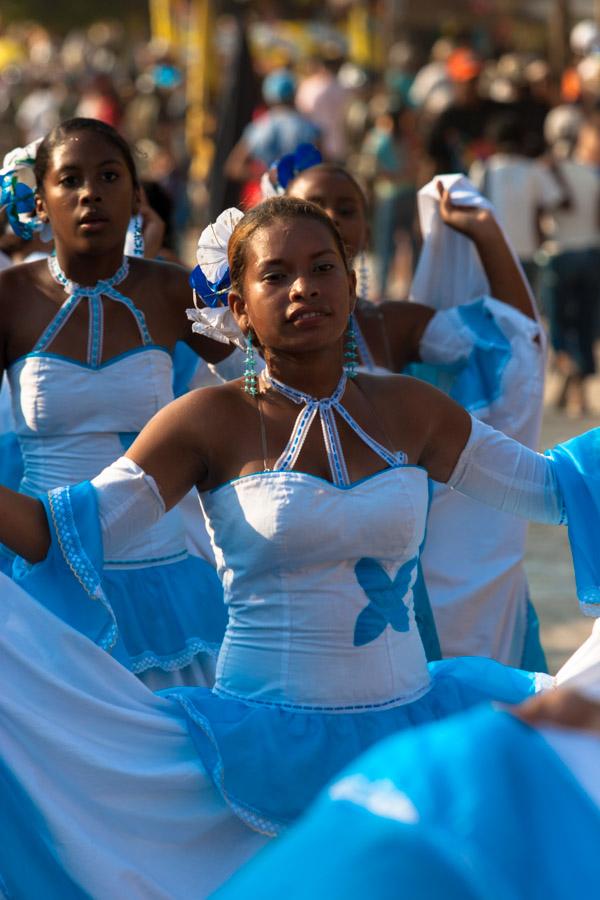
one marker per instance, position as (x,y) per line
(269,762)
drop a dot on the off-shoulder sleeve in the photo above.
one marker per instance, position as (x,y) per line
(490,358)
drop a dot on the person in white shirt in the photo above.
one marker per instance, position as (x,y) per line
(519,188)
(322,99)
(570,277)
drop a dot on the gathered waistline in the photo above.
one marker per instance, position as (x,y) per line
(320,708)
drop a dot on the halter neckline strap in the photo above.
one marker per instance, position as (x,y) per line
(102,286)
(325,408)
(93,293)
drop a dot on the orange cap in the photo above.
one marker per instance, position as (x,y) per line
(463,65)
(570,85)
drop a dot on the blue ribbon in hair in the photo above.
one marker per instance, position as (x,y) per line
(305,156)
(211,293)
(17,199)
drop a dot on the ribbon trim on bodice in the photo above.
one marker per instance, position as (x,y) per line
(325,409)
(93,293)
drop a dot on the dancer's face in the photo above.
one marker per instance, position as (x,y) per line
(296,293)
(88,195)
(335,193)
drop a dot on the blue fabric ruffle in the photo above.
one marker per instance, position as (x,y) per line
(158,616)
(475,808)
(67,581)
(270,762)
(185,365)
(577,467)
(475,381)
(167,614)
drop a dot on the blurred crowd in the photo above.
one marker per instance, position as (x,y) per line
(528,137)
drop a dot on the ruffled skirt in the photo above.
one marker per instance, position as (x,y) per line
(114,790)
(102,793)
(269,762)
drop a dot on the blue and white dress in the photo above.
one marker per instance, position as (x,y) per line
(321,659)
(72,419)
(490,358)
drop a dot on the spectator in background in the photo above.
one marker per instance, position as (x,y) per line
(432,88)
(570,277)
(521,189)
(100,100)
(277,131)
(322,99)
(39,111)
(538,98)
(457,136)
(388,161)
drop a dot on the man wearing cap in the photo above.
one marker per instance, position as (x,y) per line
(457,138)
(277,131)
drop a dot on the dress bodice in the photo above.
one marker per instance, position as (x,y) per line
(73,419)
(318,581)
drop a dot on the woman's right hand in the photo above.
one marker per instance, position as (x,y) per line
(564,707)
(474,222)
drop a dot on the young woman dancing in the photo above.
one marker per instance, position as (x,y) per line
(317,533)
(87,337)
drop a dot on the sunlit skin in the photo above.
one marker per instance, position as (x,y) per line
(88,197)
(564,707)
(211,436)
(393,330)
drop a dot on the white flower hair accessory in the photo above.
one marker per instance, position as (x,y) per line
(22,157)
(211,282)
(17,198)
(213,242)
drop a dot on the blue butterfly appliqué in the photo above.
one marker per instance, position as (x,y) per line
(386,599)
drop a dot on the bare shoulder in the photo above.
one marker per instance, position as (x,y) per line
(24,274)
(171,278)
(222,410)
(401,399)
(20,281)
(397,388)
(405,313)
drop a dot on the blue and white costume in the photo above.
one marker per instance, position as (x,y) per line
(490,358)
(321,659)
(478,807)
(72,419)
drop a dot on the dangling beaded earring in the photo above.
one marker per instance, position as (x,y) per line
(250,379)
(363,277)
(138,236)
(350,351)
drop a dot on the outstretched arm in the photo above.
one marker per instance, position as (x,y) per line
(484,464)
